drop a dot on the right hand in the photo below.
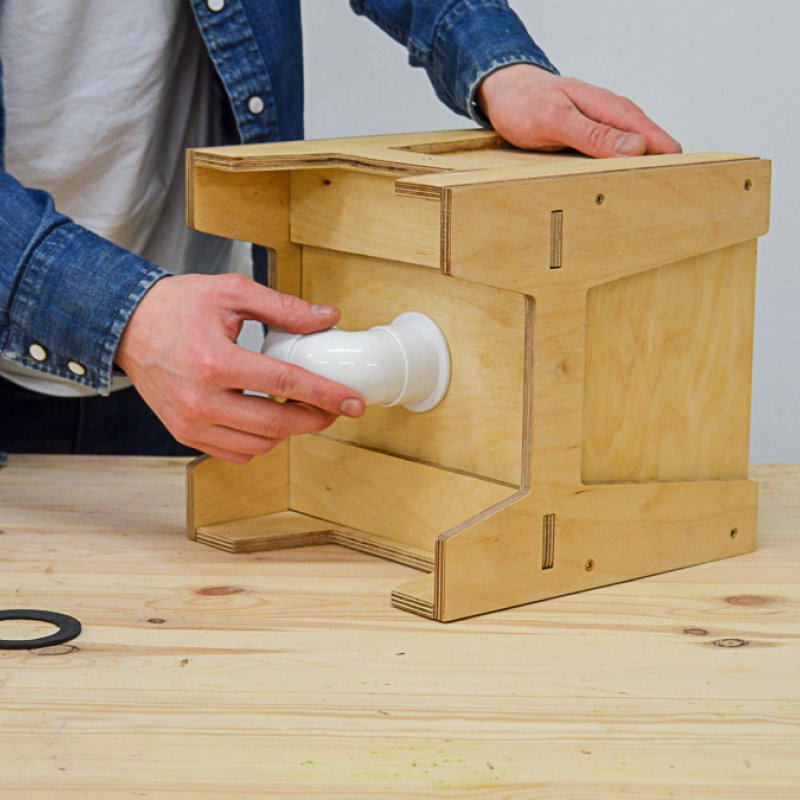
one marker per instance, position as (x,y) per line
(179,349)
(532,109)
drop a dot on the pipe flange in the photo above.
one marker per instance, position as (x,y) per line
(68,628)
(434,339)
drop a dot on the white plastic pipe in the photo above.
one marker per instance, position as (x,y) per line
(406,363)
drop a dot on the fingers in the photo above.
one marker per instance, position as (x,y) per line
(243,369)
(535,110)
(603,106)
(263,417)
(251,300)
(218,452)
(597,139)
(179,350)
(253,426)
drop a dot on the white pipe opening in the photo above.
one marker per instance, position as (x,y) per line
(406,363)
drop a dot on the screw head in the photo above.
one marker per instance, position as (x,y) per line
(589,564)
(734,533)
(600,199)
(748,185)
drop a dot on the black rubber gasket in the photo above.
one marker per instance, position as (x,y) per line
(68,629)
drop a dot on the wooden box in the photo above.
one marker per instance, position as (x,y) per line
(600,320)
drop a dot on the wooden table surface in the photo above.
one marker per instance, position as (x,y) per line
(201,674)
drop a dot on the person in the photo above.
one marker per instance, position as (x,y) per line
(118,325)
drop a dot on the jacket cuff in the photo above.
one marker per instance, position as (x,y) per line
(73,301)
(480,37)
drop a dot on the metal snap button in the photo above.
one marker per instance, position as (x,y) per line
(37,352)
(255,105)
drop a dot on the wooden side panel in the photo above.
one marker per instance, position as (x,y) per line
(219,491)
(604,534)
(249,207)
(668,365)
(401,500)
(612,224)
(356,212)
(478,428)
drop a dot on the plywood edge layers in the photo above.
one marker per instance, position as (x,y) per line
(415,596)
(284,530)
(410,154)
(439,594)
(432,186)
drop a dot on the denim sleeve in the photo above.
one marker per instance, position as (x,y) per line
(458,42)
(63,288)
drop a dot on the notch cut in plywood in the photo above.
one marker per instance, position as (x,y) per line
(548,540)
(556,238)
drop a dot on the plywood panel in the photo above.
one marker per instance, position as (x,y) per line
(604,534)
(219,490)
(668,363)
(249,207)
(478,427)
(613,224)
(356,212)
(287,529)
(407,502)
(485,166)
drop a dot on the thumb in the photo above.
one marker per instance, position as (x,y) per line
(599,140)
(254,301)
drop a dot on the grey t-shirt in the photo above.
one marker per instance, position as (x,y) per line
(102,98)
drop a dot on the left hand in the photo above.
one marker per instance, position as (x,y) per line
(534,110)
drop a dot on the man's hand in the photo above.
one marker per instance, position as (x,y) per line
(179,349)
(532,109)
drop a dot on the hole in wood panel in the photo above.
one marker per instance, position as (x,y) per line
(556,238)
(548,540)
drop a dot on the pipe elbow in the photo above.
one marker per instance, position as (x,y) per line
(404,363)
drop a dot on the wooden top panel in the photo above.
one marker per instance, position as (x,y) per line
(444,158)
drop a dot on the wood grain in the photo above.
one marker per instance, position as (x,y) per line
(369,491)
(669,354)
(218,490)
(478,426)
(287,674)
(498,234)
(356,212)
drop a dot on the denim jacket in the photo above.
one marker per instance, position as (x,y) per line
(66,294)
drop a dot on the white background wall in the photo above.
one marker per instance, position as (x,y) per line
(718,74)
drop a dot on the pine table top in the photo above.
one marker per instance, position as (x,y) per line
(201,674)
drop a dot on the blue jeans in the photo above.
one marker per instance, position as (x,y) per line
(120,424)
